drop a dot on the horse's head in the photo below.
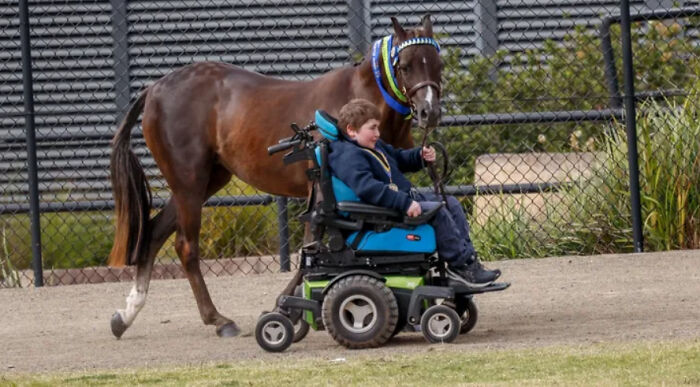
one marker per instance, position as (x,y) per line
(419,70)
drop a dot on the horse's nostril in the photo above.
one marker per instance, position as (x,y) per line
(424,114)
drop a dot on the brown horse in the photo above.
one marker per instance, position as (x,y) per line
(208,121)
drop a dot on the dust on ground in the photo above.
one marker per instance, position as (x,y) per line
(552,301)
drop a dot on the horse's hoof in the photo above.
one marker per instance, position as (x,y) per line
(118,326)
(228,330)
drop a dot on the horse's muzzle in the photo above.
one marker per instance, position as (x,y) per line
(425,98)
(427,116)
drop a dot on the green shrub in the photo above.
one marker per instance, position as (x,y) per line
(229,232)
(593,215)
(668,157)
(9,276)
(67,239)
(559,76)
(669,161)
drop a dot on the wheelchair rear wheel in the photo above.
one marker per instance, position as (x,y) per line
(359,311)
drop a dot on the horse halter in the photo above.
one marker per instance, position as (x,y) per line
(390,58)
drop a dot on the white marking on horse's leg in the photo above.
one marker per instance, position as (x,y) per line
(134,302)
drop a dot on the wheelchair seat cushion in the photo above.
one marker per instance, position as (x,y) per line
(420,239)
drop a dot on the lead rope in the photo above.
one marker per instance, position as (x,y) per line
(438,180)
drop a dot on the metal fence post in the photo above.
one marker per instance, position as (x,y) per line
(609,60)
(33,182)
(486,26)
(359,26)
(631,123)
(284,233)
(120,55)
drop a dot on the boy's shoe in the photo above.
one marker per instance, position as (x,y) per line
(481,272)
(473,274)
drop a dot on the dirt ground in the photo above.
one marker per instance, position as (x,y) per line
(553,301)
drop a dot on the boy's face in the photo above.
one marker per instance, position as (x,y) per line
(367,134)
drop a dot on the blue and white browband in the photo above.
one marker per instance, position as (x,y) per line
(412,42)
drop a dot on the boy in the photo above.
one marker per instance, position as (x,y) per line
(373,170)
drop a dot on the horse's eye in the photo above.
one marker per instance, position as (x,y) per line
(405,67)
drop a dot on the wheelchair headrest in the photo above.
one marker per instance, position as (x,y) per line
(328,126)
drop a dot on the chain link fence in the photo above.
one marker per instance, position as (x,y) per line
(534,119)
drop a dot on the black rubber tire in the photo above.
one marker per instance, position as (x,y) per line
(468,313)
(400,326)
(444,314)
(367,291)
(301,329)
(282,340)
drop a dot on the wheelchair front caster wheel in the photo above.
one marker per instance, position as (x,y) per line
(440,324)
(274,332)
(301,329)
(468,313)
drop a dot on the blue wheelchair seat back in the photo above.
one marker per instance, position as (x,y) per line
(418,239)
(328,126)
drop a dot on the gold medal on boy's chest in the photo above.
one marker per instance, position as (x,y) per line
(379,156)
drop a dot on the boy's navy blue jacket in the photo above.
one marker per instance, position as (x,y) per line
(365,175)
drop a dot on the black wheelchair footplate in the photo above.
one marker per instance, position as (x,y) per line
(299,304)
(464,290)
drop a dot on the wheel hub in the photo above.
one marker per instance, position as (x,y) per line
(273,332)
(358,314)
(439,325)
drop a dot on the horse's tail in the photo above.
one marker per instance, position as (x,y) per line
(132,195)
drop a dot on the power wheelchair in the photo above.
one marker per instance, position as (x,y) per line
(369,272)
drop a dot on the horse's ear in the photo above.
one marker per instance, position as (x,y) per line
(398,30)
(427,25)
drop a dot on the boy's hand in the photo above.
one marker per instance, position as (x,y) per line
(414,210)
(428,154)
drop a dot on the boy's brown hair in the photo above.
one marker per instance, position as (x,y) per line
(357,112)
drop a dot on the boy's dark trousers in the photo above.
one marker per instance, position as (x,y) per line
(451,228)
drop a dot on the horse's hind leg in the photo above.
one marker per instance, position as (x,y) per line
(189,210)
(161,227)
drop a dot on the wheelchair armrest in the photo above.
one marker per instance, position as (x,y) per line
(366,209)
(424,217)
(363,210)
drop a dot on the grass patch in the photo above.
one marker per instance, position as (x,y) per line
(631,364)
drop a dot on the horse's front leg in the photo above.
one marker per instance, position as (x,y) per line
(161,227)
(187,247)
